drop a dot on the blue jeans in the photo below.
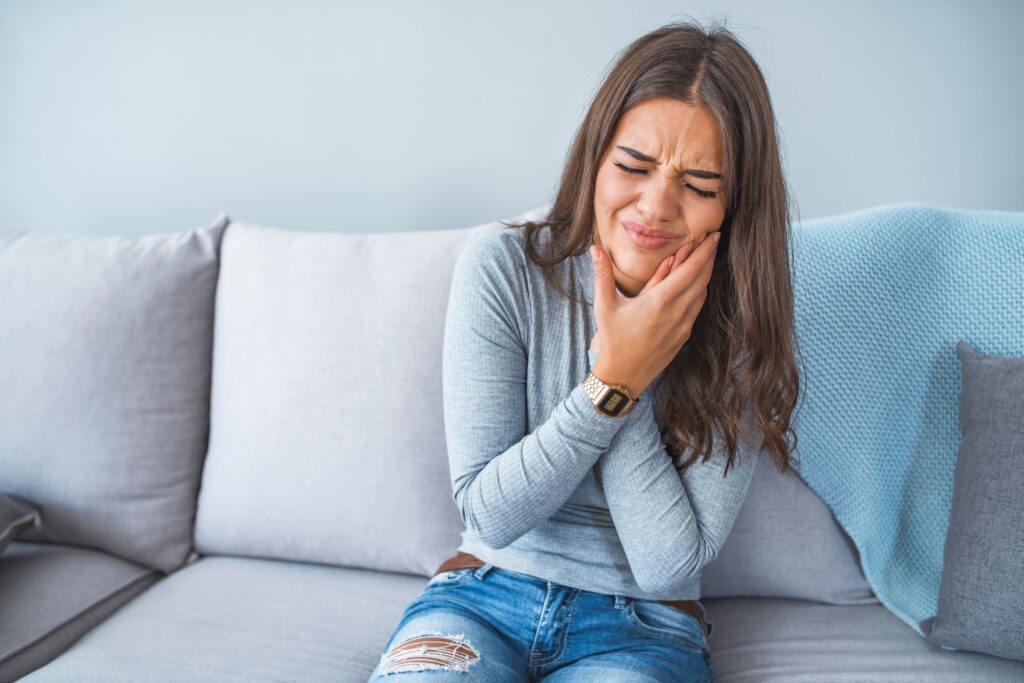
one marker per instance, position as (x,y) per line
(494,625)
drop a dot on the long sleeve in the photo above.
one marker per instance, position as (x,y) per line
(670,523)
(505,481)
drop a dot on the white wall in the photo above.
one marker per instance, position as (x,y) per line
(131,117)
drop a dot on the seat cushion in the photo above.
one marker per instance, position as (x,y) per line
(229,619)
(233,619)
(774,640)
(50,595)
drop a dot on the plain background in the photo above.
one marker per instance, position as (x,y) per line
(135,117)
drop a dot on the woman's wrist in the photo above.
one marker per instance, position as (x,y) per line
(609,375)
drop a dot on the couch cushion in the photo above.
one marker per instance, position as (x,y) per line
(50,595)
(772,640)
(786,543)
(105,372)
(327,431)
(230,619)
(981,604)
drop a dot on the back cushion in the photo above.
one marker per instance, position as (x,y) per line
(327,430)
(786,543)
(104,385)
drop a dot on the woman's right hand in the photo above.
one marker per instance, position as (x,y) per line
(640,336)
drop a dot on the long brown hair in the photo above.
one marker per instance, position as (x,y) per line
(738,367)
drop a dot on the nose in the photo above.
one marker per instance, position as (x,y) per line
(658,203)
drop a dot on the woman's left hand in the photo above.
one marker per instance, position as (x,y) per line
(595,344)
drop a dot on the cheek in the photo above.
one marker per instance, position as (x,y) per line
(702,215)
(610,190)
(711,216)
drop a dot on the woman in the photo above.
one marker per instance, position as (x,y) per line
(589,514)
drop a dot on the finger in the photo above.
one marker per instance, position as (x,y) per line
(704,277)
(664,268)
(604,280)
(686,273)
(684,251)
(708,265)
(715,238)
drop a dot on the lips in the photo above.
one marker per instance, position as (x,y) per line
(645,241)
(644,231)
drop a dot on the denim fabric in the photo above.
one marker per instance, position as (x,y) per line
(508,626)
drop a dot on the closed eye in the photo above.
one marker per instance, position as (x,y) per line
(707,194)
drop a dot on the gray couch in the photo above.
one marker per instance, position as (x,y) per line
(236,438)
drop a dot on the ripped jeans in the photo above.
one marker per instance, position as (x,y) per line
(494,625)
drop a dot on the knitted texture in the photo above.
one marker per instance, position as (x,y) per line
(882,296)
(546,484)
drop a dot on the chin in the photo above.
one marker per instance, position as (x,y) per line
(641,259)
(636,264)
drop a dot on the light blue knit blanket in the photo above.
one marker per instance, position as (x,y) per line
(882,296)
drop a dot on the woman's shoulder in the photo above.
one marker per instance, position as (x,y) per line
(500,259)
(504,249)
(494,255)
(494,245)
(493,266)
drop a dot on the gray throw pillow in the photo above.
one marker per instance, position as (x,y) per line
(17,514)
(981,600)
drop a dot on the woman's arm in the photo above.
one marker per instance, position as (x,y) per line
(670,523)
(505,481)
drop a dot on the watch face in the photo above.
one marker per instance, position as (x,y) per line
(613,402)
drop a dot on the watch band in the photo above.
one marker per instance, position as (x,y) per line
(613,400)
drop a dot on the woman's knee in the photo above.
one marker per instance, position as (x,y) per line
(433,651)
(448,646)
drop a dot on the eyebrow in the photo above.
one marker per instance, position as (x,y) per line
(700,173)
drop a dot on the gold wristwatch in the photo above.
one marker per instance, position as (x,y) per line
(611,399)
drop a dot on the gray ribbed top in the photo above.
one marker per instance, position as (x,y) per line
(546,484)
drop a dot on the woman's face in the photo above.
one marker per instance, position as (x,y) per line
(663,152)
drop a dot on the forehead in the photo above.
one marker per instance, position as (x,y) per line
(673,132)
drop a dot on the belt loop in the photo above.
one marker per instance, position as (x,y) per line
(621,601)
(481,572)
(704,618)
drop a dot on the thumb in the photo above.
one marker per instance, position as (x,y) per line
(604,281)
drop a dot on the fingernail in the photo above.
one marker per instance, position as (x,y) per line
(593,253)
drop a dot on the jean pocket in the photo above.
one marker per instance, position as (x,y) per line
(455,577)
(664,621)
